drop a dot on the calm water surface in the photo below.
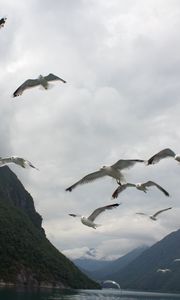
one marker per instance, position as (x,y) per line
(14,294)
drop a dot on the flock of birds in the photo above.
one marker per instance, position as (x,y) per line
(114,171)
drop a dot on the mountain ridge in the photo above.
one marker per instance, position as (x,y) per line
(142,273)
(26,256)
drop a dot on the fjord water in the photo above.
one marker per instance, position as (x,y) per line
(108,294)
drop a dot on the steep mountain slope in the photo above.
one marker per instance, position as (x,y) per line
(26,255)
(115,266)
(142,272)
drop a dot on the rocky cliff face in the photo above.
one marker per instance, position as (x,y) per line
(12,191)
(26,255)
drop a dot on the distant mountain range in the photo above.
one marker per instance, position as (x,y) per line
(138,269)
(26,256)
(105,269)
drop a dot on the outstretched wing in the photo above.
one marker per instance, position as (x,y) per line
(160,211)
(27,162)
(152,183)
(88,178)
(122,188)
(126,163)
(22,162)
(30,83)
(52,77)
(99,210)
(160,155)
(5,160)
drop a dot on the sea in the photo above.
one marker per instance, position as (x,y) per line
(105,294)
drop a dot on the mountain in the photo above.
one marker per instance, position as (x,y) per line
(115,266)
(102,269)
(90,265)
(142,273)
(26,255)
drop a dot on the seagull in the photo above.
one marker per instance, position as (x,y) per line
(17,160)
(163,154)
(41,80)
(139,186)
(112,171)
(89,221)
(154,217)
(2,22)
(163,270)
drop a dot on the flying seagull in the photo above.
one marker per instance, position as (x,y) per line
(41,80)
(161,155)
(154,217)
(2,22)
(163,270)
(17,160)
(89,221)
(112,171)
(140,186)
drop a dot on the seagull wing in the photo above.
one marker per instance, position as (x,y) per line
(27,162)
(19,161)
(160,211)
(5,160)
(52,77)
(126,163)
(30,83)
(152,183)
(22,162)
(160,155)
(122,188)
(99,210)
(88,178)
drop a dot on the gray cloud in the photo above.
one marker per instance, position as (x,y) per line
(121,62)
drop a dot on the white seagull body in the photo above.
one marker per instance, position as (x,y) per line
(154,216)
(140,186)
(163,270)
(17,160)
(89,221)
(112,171)
(163,154)
(41,80)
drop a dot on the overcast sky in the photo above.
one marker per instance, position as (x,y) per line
(122,100)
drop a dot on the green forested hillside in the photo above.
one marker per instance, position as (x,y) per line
(26,255)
